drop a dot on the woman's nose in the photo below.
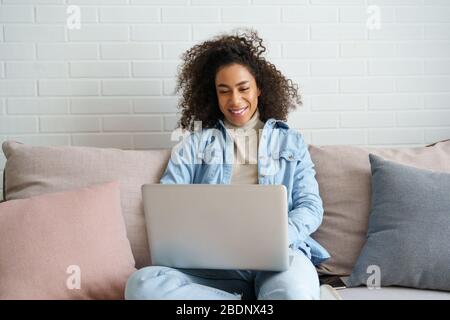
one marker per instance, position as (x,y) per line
(235,99)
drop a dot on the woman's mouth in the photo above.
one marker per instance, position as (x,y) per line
(238,112)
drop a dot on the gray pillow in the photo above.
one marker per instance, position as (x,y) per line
(408,238)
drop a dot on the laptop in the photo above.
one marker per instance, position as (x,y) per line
(217,226)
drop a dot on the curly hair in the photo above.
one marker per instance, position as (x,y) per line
(196,79)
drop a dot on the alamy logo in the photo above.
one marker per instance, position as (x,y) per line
(73,282)
(374,19)
(374,280)
(191,149)
(74,18)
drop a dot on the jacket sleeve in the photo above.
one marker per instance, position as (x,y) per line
(307,213)
(182,163)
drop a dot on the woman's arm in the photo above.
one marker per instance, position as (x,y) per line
(307,213)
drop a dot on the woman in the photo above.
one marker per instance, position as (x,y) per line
(241,101)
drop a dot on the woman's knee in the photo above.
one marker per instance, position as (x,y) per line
(291,293)
(307,284)
(300,282)
(152,283)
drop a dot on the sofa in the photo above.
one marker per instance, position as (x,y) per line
(94,196)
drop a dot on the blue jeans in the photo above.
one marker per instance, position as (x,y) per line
(300,281)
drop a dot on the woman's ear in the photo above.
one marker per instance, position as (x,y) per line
(259,92)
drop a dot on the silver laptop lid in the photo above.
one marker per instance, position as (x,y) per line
(208,226)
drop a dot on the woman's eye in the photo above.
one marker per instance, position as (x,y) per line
(245,89)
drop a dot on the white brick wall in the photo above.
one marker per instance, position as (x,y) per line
(110,84)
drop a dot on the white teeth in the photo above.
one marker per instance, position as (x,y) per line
(239,111)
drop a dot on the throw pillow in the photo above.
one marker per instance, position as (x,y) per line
(343,174)
(35,170)
(65,245)
(409,229)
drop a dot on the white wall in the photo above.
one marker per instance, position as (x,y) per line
(110,84)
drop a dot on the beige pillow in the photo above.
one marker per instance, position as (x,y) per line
(344,177)
(35,170)
(65,245)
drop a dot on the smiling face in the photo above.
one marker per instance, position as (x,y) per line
(237,93)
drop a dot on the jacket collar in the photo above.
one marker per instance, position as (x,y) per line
(272,122)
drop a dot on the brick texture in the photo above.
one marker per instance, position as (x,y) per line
(111,82)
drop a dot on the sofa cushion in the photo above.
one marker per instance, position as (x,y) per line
(384,293)
(65,245)
(344,177)
(390,293)
(409,229)
(35,170)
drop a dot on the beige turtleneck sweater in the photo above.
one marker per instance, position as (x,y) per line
(246,141)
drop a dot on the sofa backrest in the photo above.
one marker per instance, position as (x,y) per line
(344,177)
(34,170)
(343,174)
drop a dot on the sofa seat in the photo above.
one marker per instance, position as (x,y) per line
(390,293)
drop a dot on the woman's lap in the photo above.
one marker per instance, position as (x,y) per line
(299,282)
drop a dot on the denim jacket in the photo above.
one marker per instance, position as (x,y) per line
(206,157)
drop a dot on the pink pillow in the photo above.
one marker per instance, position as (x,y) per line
(65,245)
